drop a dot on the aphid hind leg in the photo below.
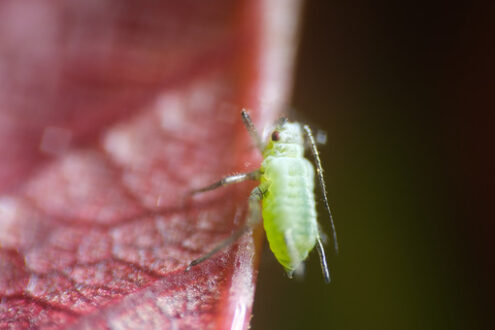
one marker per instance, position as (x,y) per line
(254,216)
(227,242)
(252,130)
(255,175)
(319,172)
(323,260)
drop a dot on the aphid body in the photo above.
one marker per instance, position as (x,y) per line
(289,212)
(286,191)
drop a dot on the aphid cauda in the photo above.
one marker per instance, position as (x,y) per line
(286,192)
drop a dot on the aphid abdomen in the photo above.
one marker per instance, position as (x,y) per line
(289,214)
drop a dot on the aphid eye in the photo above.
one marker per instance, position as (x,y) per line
(275,136)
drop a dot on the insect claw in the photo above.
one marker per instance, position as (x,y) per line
(188,268)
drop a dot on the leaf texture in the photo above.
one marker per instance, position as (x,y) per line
(110,112)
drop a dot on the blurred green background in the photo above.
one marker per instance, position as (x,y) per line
(394,86)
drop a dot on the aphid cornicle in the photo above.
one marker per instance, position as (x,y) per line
(286,191)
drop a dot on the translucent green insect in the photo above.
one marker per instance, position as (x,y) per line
(286,192)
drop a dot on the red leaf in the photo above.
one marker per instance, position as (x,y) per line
(109,113)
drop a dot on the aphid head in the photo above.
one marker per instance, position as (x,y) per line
(286,139)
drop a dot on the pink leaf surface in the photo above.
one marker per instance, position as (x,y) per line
(110,111)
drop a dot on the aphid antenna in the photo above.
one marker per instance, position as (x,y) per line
(319,172)
(252,130)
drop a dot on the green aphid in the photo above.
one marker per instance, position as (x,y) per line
(286,191)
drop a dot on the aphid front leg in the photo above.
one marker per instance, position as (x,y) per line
(252,130)
(254,216)
(255,175)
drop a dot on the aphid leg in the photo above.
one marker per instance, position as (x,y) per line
(254,215)
(323,260)
(254,211)
(252,130)
(255,175)
(319,172)
(227,242)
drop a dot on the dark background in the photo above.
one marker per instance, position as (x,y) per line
(404,91)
